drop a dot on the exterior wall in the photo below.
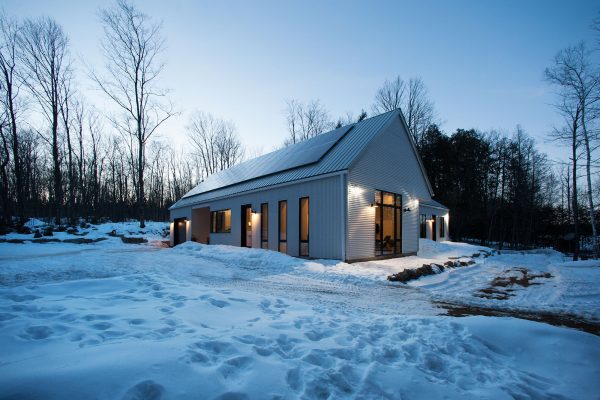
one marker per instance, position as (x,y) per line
(438,212)
(325,222)
(389,164)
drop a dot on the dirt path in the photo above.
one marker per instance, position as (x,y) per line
(556,319)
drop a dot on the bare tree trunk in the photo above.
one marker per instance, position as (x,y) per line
(574,196)
(588,169)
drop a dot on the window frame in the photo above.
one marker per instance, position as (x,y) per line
(423,226)
(279,240)
(442,222)
(396,205)
(216,225)
(264,225)
(307,241)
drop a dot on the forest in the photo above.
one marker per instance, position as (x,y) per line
(62,158)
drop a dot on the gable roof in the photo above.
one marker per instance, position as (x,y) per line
(329,152)
(432,203)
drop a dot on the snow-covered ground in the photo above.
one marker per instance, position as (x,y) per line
(113,320)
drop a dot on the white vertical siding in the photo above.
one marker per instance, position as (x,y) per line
(325,233)
(389,164)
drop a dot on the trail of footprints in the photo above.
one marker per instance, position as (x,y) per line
(331,357)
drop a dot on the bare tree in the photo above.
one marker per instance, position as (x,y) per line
(413,99)
(44,54)
(132,46)
(9,87)
(580,91)
(390,96)
(306,120)
(215,142)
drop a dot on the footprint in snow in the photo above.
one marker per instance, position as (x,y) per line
(218,303)
(146,390)
(37,332)
(102,326)
(234,367)
(232,396)
(97,317)
(6,316)
(21,298)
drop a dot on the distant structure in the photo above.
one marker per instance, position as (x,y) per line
(358,192)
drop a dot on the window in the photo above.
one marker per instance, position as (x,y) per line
(220,221)
(423,226)
(283,226)
(442,227)
(264,225)
(388,223)
(304,216)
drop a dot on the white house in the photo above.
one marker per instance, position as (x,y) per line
(358,192)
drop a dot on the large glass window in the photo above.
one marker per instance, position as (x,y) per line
(442,227)
(220,221)
(283,226)
(264,225)
(388,223)
(304,218)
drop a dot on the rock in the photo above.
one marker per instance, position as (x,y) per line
(45,240)
(25,230)
(72,231)
(37,234)
(48,231)
(83,240)
(61,228)
(476,254)
(133,240)
(449,264)
(114,233)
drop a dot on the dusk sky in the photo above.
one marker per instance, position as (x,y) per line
(482,61)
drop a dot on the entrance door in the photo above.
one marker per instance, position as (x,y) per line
(179,231)
(246,219)
(434,228)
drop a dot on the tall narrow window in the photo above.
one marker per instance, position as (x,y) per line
(388,223)
(423,226)
(442,227)
(283,226)
(264,225)
(304,217)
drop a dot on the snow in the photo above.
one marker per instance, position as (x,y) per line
(113,320)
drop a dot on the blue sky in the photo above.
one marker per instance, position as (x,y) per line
(482,61)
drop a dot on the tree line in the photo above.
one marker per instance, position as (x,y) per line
(62,158)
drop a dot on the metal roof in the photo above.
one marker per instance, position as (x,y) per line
(327,153)
(432,203)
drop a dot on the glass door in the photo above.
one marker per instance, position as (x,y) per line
(388,223)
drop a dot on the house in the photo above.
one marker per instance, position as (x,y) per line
(355,193)
(433,220)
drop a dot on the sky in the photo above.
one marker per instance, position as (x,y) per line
(482,61)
